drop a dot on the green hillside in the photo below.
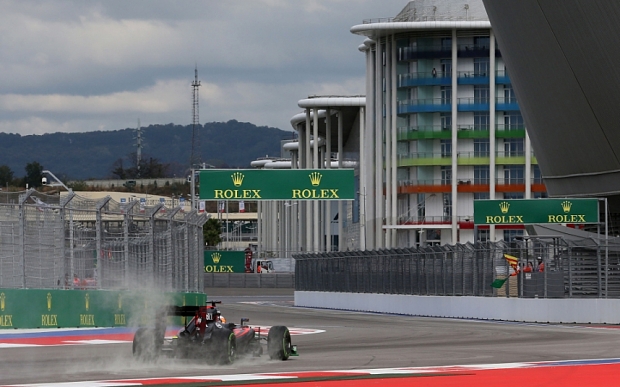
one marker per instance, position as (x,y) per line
(91,155)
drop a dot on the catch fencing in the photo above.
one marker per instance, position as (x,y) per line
(588,268)
(69,242)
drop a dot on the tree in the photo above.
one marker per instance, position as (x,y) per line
(212,232)
(118,170)
(34,173)
(6,176)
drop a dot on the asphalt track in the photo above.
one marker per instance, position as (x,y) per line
(353,343)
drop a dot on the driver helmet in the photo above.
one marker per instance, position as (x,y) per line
(218,316)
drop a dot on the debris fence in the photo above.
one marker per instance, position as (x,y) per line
(70,242)
(588,268)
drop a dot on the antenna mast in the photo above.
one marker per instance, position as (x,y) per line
(139,147)
(195,155)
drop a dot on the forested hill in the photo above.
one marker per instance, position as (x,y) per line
(91,155)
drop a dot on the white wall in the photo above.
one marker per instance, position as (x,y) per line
(585,311)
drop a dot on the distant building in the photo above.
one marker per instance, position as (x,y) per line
(439,127)
(443,126)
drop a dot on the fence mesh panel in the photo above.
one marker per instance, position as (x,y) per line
(49,241)
(588,268)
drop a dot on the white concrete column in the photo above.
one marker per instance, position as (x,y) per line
(454,191)
(341,241)
(493,128)
(388,144)
(315,165)
(528,167)
(378,194)
(394,171)
(362,186)
(306,205)
(328,162)
(369,155)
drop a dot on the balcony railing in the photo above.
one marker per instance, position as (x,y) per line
(467,104)
(423,132)
(424,79)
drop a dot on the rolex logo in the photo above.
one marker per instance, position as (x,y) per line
(120,302)
(315,178)
(216,257)
(49,301)
(504,206)
(2,302)
(87,301)
(566,205)
(237,178)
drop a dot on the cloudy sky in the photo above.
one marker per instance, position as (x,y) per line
(78,66)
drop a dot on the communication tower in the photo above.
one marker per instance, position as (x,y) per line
(195,154)
(138,144)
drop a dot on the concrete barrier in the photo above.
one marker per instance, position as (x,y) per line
(566,310)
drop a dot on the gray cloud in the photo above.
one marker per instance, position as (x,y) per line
(76,66)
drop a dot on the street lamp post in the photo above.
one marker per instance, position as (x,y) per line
(58,183)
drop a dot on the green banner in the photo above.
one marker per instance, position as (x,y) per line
(535,211)
(224,261)
(268,184)
(40,308)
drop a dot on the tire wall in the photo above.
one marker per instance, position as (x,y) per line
(41,308)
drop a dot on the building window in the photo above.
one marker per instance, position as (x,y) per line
(446,175)
(511,235)
(513,147)
(539,195)
(481,147)
(513,174)
(484,235)
(537,174)
(446,68)
(481,121)
(446,148)
(446,121)
(446,95)
(447,206)
(482,42)
(481,67)
(446,44)
(481,176)
(421,206)
(509,95)
(513,195)
(481,196)
(481,94)
(513,121)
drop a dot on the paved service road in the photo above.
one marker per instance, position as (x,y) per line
(350,341)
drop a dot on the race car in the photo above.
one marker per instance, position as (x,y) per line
(208,336)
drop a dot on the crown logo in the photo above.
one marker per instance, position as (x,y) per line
(315,178)
(504,206)
(87,301)
(566,205)
(237,178)
(49,301)
(2,298)
(216,257)
(120,302)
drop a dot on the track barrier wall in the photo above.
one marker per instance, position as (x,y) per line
(49,308)
(580,282)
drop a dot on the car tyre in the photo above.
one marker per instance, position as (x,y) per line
(279,343)
(228,347)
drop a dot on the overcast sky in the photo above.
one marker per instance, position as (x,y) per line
(79,66)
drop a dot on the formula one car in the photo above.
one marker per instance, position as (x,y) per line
(207,335)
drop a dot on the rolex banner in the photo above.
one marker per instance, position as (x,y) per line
(55,308)
(224,261)
(266,184)
(536,211)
